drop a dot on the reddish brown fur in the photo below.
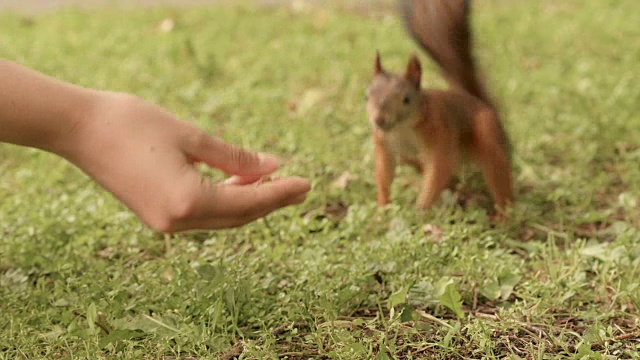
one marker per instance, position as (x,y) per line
(432,130)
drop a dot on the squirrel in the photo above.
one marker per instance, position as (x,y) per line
(431,129)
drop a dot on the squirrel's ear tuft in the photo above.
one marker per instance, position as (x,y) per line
(377,68)
(414,71)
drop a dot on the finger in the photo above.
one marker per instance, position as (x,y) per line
(250,179)
(228,158)
(224,206)
(243,179)
(241,201)
(239,221)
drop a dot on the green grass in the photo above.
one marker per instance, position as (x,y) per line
(335,278)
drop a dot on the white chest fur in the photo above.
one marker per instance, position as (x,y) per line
(404,143)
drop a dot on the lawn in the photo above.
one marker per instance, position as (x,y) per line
(335,278)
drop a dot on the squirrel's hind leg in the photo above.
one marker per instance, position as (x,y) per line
(493,158)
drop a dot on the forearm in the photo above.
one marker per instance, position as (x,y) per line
(39,111)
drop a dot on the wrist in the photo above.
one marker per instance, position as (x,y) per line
(75,127)
(39,111)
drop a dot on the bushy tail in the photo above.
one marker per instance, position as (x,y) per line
(442,28)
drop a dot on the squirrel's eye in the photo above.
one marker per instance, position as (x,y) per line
(406,100)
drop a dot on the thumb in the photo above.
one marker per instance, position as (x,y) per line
(228,158)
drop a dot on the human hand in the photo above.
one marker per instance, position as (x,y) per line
(146,158)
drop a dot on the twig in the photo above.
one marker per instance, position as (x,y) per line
(168,249)
(635,334)
(534,330)
(487,316)
(549,230)
(292,353)
(233,353)
(475,298)
(344,323)
(433,318)
(285,327)
(101,324)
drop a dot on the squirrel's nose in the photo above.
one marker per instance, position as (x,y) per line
(381,122)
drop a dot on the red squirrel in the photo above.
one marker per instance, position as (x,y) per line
(432,129)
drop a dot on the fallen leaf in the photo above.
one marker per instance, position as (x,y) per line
(309,99)
(106,252)
(168,274)
(167,25)
(434,232)
(337,209)
(343,180)
(292,107)
(299,6)
(528,234)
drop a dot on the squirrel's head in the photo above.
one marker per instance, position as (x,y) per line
(393,99)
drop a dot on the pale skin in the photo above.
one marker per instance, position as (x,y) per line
(142,154)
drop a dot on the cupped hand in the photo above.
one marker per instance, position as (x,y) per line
(146,158)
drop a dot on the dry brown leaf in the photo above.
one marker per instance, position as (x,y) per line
(433,231)
(336,209)
(168,274)
(343,180)
(106,252)
(310,99)
(299,6)
(167,25)
(292,107)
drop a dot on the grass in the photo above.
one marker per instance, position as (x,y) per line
(335,278)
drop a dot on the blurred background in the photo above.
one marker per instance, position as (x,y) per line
(45,5)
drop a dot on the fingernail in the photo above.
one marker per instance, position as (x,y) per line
(268,162)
